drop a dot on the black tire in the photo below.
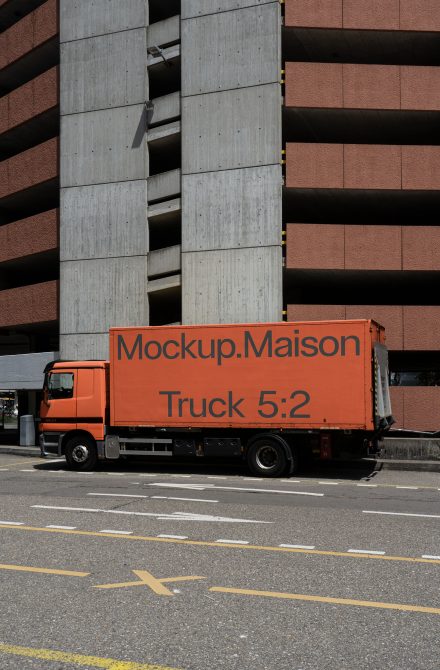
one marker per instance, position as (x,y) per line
(81,453)
(266,457)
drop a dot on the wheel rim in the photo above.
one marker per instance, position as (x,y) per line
(80,453)
(267,457)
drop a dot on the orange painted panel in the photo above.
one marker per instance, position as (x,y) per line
(292,375)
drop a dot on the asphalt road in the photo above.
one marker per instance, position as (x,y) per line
(195,568)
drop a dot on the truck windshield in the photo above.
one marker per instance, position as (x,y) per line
(60,385)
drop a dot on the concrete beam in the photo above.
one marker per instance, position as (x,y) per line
(164,32)
(164,185)
(164,261)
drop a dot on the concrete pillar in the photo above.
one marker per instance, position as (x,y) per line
(103,171)
(231,153)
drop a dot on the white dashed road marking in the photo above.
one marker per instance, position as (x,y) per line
(175,516)
(188,499)
(12,523)
(118,532)
(62,527)
(232,541)
(365,551)
(174,537)
(118,495)
(297,546)
(425,516)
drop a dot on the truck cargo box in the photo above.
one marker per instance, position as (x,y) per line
(281,375)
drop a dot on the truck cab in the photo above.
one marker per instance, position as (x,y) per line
(74,410)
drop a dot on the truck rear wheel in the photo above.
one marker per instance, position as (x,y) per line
(267,457)
(81,453)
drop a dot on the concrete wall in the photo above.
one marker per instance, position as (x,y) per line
(231,151)
(103,171)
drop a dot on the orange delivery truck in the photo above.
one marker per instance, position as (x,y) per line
(270,393)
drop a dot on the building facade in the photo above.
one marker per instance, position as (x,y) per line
(214,161)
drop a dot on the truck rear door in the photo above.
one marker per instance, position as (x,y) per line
(382,401)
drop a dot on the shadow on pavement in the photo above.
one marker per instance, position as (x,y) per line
(358,469)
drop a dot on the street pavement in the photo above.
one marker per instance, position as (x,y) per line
(190,567)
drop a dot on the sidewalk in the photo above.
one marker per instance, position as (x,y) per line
(19,451)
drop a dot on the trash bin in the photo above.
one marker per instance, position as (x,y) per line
(27,431)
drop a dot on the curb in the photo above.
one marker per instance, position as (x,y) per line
(410,465)
(20,451)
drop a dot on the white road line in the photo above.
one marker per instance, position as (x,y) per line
(144,474)
(329,483)
(27,470)
(59,471)
(12,523)
(371,486)
(430,556)
(4,469)
(84,472)
(215,477)
(117,532)
(365,551)
(54,460)
(233,541)
(291,481)
(62,527)
(189,499)
(118,495)
(116,474)
(162,516)
(181,476)
(297,546)
(425,516)
(415,488)
(213,487)
(253,479)
(173,537)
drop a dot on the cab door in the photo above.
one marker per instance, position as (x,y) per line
(90,399)
(59,409)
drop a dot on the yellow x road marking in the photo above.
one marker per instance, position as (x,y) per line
(147,579)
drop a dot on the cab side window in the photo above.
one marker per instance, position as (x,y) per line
(60,385)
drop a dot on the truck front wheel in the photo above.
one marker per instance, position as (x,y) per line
(81,453)
(266,457)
